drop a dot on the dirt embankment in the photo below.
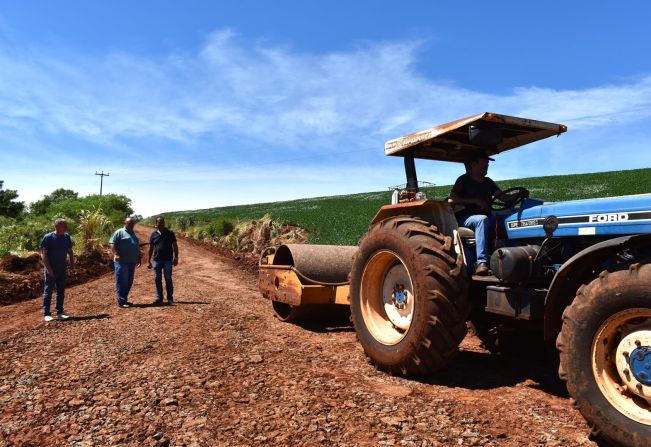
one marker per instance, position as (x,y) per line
(21,278)
(217,369)
(248,239)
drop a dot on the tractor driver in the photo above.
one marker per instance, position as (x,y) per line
(475,192)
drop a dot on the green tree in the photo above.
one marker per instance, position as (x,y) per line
(8,205)
(115,207)
(42,206)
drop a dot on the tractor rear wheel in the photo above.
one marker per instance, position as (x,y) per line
(605,354)
(408,296)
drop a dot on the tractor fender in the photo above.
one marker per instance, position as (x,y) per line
(437,213)
(578,270)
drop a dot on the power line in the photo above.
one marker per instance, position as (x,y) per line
(101,180)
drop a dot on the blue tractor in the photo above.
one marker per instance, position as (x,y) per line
(577,273)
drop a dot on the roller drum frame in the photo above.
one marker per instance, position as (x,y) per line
(300,275)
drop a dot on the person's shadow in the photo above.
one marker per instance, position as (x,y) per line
(88,317)
(164,304)
(144,305)
(191,302)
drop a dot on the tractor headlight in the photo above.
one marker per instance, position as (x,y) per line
(550,225)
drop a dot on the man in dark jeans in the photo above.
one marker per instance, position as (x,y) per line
(475,191)
(55,248)
(165,251)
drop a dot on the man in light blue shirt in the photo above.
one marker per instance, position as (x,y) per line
(126,256)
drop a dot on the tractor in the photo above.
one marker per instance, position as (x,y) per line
(577,272)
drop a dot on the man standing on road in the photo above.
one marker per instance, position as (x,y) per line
(475,192)
(165,251)
(125,247)
(55,248)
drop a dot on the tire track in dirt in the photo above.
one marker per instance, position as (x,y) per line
(218,369)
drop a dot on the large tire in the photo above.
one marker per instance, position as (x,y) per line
(600,330)
(424,334)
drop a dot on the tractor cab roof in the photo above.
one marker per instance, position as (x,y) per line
(488,133)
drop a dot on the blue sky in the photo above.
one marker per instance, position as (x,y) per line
(199,104)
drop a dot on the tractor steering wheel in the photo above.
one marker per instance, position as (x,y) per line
(498,204)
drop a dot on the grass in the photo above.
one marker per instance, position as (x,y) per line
(342,220)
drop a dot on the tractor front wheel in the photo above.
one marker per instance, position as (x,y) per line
(605,354)
(408,296)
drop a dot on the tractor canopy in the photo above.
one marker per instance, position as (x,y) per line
(489,133)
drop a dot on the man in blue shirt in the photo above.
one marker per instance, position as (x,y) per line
(125,247)
(56,247)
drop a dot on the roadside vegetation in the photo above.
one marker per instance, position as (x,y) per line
(243,239)
(91,219)
(342,220)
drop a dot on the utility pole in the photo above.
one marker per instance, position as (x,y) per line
(101,180)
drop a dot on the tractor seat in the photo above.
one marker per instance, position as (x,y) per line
(466,233)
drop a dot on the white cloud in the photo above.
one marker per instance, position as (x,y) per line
(270,94)
(258,104)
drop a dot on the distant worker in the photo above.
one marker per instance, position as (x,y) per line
(165,252)
(475,192)
(56,247)
(125,247)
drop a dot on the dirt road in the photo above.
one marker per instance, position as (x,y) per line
(218,369)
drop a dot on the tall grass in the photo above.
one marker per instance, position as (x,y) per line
(93,228)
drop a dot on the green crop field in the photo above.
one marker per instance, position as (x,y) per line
(342,220)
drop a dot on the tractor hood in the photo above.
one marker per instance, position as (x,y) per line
(593,217)
(489,133)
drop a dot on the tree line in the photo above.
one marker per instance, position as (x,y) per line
(90,218)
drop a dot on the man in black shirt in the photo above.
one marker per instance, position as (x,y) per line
(475,192)
(165,251)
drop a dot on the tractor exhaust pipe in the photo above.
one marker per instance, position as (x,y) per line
(410,170)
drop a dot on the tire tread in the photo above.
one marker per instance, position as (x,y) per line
(446,295)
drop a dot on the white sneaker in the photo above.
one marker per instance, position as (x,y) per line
(48,318)
(63,316)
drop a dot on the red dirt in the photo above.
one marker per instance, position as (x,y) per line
(245,261)
(218,369)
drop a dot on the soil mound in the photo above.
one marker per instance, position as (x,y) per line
(12,263)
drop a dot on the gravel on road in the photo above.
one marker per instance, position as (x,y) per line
(217,369)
